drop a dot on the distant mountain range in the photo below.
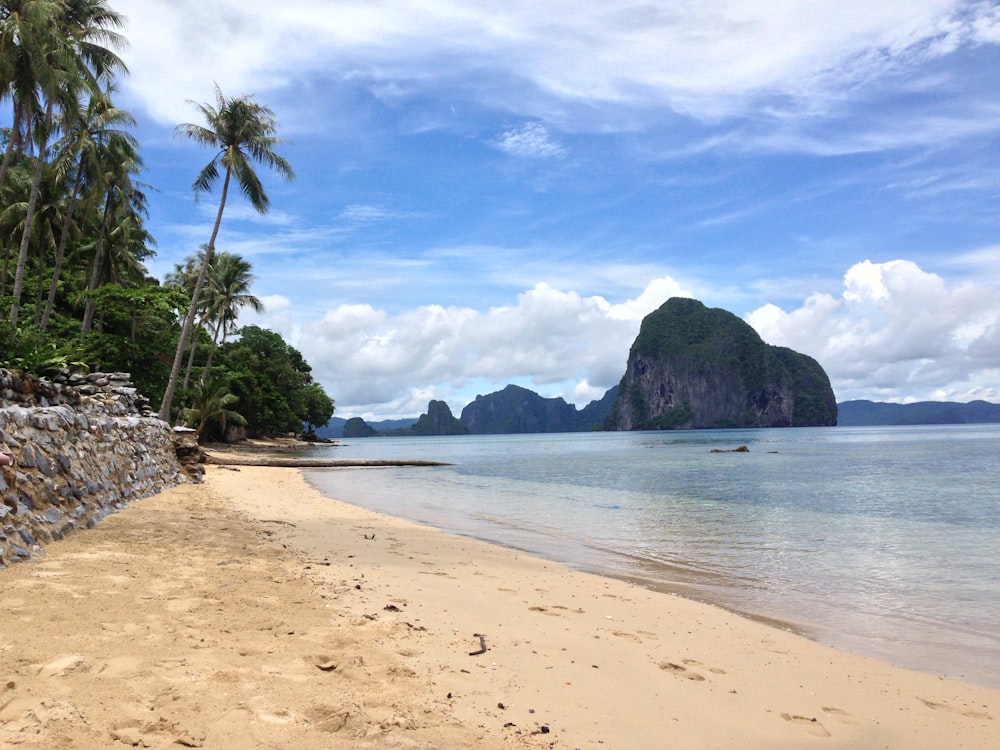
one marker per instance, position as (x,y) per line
(519,410)
(514,410)
(869,413)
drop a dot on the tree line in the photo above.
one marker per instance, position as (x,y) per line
(74,289)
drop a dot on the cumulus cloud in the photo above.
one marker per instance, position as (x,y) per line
(559,342)
(896,332)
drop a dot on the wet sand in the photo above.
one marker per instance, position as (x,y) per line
(252,612)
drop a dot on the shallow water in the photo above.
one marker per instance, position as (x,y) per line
(881,540)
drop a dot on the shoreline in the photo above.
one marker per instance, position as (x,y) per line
(889,596)
(253,611)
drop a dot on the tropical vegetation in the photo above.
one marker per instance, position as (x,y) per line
(74,288)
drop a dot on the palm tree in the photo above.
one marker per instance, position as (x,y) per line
(63,53)
(242,132)
(124,204)
(185,276)
(13,200)
(211,405)
(79,152)
(229,284)
(24,25)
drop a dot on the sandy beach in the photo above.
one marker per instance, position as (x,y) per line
(252,612)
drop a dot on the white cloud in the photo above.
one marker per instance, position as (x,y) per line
(531,141)
(896,332)
(709,59)
(365,214)
(558,342)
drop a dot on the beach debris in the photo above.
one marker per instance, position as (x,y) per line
(370,538)
(216,458)
(391,608)
(482,644)
(327,666)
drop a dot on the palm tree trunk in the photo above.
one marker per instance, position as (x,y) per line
(95,268)
(190,364)
(36,182)
(8,152)
(175,370)
(211,352)
(61,251)
(4,270)
(41,282)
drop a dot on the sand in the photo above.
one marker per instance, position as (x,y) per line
(251,612)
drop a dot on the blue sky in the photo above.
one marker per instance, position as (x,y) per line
(498,192)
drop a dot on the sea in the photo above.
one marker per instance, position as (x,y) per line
(883,541)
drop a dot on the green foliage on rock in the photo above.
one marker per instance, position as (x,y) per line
(438,421)
(516,410)
(356,427)
(697,367)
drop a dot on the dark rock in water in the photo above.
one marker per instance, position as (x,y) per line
(741,449)
(694,367)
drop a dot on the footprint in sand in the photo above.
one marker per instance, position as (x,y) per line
(968,712)
(695,663)
(627,636)
(544,611)
(839,714)
(811,725)
(64,665)
(677,669)
(119,666)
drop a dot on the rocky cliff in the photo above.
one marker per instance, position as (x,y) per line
(73,452)
(438,421)
(697,367)
(356,427)
(518,410)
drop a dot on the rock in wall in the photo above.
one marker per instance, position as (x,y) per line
(81,451)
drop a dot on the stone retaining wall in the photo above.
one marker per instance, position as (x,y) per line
(83,447)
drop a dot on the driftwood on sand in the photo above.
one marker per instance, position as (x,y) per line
(307,463)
